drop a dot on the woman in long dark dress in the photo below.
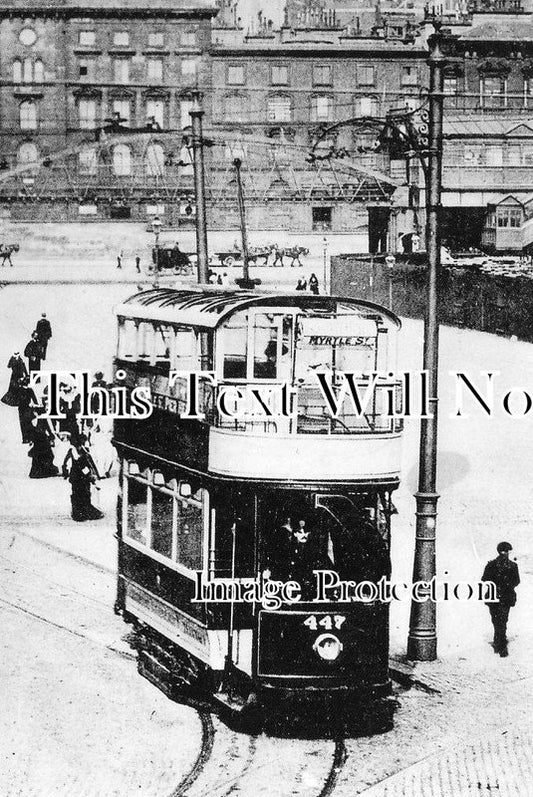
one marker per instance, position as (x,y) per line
(27,403)
(82,475)
(18,372)
(42,466)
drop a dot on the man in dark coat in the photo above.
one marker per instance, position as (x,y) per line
(504,574)
(34,353)
(44,333)
(81,471)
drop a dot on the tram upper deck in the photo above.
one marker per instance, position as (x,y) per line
(289,389)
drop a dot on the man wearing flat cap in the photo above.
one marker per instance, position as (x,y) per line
(504,574)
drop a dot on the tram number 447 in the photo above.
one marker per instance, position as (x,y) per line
(329,622)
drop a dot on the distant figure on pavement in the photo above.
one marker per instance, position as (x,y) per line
(504,574)
(18,372)
(80,470)
(27,404)
(138,263)
(44,333)
(119,258)
(313,284)
(301,285)
(42,440)
(34,353)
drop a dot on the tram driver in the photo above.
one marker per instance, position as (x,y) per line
(296,551)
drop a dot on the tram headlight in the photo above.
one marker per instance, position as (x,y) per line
(327,647)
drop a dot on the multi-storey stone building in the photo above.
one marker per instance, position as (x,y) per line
(86,91)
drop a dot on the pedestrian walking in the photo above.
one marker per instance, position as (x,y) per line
(26,406)
(119,258)
(313,284)
(301,285)
(44,333)
(42,440)
(80,470)
(138,263)
(504,574)
(34,353)
(18,372)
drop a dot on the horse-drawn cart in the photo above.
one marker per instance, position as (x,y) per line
(6,250)
(233,257)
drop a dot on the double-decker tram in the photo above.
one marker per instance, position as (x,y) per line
(256,497)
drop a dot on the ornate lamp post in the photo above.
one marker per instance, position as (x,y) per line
(156,228)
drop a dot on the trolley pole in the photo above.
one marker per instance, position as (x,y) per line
(422,641)
(196,115)
(244,281)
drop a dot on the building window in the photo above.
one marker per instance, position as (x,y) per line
(411,103)
(121,70)
(121,111)
(86,68)
(279,109)
(17,71)
(409,76)
(235,75)
(473,155)
(87,38)
(509,217)
(121,38)
(186,107)
(366,75)
(186,164)
(235,108)
(28,154)
(527,156)
(87,114)
(27,71)
(188,38)
(156,39)
(155,110)
(279,75)
(28,115)
(367,106)
(321,109)
(450,91)
(493,92)
(189,66)
(154,160)
(322,75)
(87,161)
(121,160)
(154,69)
(513,155)
(322,217)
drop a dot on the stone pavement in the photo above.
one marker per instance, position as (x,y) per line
(498,765)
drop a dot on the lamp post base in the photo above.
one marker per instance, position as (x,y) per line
(421,648)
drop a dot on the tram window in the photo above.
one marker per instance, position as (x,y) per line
(145,336)
(137,519)
(162,522)
(164,338)
(127,333)
(234,347)
(190,534)
(186,358)
(234,526)
(266,347)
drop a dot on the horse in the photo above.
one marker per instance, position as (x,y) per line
(5,253)
(294,252)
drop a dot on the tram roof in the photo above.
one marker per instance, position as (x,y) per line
(208,308)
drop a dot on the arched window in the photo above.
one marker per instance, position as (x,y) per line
(17,71)
(121,160)
(27,75)
(154,160)
(28,154)
(186,167)
(87,161)
(38,71)
(28,115)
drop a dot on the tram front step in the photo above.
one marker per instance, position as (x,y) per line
(234,702)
